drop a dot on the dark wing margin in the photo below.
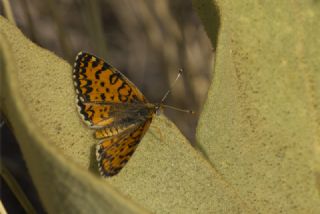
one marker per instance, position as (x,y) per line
(113,153)
(97,81)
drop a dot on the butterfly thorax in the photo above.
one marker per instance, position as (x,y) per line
(126,118)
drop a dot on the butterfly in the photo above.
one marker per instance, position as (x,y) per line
(114,107)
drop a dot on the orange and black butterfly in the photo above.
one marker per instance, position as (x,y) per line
(112,105)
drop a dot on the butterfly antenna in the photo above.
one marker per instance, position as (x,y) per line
(172,85)
(179,109)
(168,92)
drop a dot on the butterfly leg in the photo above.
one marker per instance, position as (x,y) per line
(158,130)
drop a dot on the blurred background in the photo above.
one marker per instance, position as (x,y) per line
(147,40)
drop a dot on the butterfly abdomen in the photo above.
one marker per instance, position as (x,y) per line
(113,131)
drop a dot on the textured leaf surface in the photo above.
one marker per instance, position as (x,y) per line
(261,123)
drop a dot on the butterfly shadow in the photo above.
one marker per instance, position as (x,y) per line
(93,166)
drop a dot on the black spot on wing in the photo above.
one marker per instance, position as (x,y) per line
(103,97)
(124,92)
(104,68)
(114,78)
(95,63)
(88,87)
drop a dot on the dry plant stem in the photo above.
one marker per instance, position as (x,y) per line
(8,11)
(29,21)
(16,190)
(94,26)
(62,34)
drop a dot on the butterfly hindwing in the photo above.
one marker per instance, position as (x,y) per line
(114,152)
(99,88)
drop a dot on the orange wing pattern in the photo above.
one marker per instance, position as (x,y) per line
(96,81)
(114,106)
(114,152)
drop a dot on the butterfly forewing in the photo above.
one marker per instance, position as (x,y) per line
(97,81)
(114,106)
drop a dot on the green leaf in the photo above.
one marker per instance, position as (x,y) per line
(165,175)
(260,126)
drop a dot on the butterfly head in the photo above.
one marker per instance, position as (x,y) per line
(158,109)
